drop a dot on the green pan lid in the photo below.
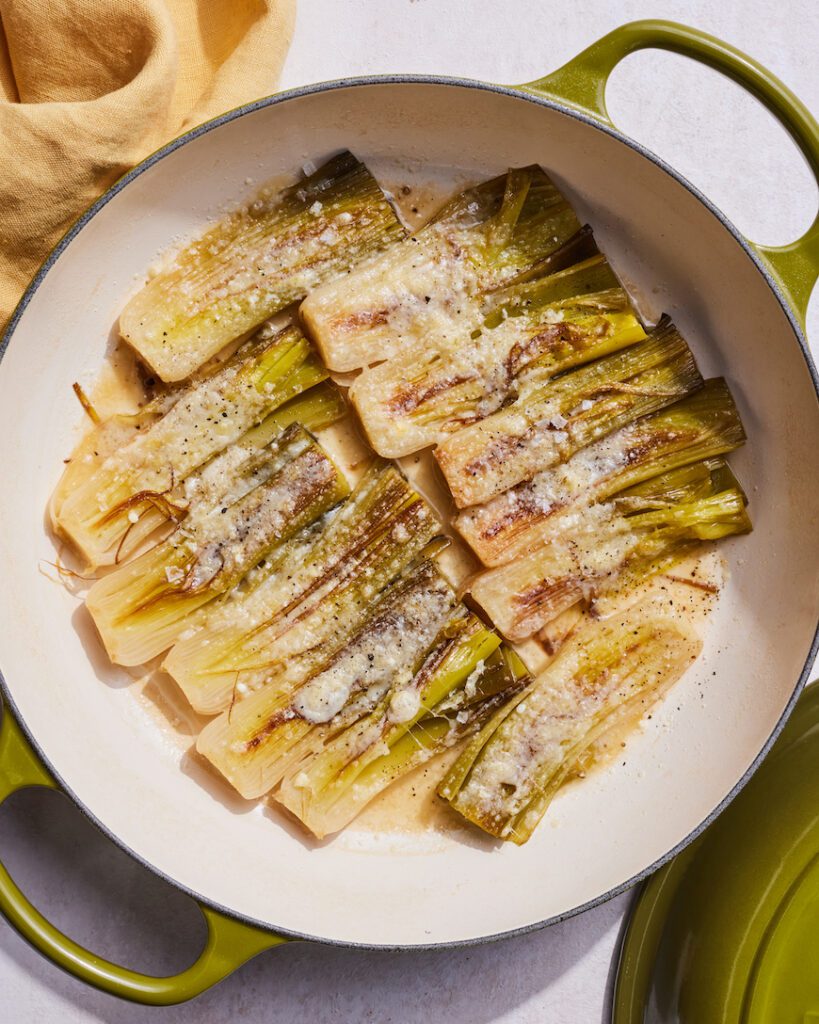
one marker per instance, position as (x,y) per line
(728,932)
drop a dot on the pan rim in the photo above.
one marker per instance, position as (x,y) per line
(479,86)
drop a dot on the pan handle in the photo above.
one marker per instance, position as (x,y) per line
(230,943)
(581,84)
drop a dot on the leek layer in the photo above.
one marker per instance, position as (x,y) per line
(142,476)
(275,629)
(434,387)
(701,426)
(465,679)
(257,741)
(431,284)
(635,533)
(108,436)
(252,264)
(140,608)
(511,770)
(233,472)
(551,420)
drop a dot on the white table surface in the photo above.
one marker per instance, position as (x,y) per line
(727,145)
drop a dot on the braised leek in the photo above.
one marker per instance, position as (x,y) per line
(140,476)
(108,436)
(274,630)
(465,678)
(701,426)
(635,533)
(140,608)
(252,264)
(552,419)
(435,386)
(257,741)
(509,773)
(232,471)
(430,285)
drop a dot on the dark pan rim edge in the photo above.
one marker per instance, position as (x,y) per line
(528,97)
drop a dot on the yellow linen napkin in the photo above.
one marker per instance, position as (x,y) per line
(90,87)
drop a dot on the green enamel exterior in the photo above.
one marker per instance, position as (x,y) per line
(229,943)
(581,85)
(729,930)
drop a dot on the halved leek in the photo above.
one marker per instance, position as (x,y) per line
(430,284)
(231,473)
(510,772)
(107,436)
(317,408)
(236,470)
(634,533)
(551,420)
(255,743)
(558,630)
(252,264)
(141,475)
(140,608)
(465,678)
(435,386)
(701,426)
(275,630)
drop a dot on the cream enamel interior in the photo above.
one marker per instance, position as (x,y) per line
(397,889)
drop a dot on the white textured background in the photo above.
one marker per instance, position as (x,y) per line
(727,145)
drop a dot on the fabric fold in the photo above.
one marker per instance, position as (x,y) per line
(88,88)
